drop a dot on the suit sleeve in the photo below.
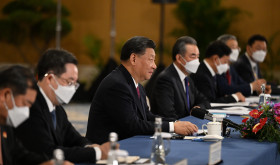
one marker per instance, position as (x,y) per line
(163,98)
(123,110)
(200,99)
(204,85)
(225,89)
(37,136)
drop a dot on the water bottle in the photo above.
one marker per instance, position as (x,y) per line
(158,151)
(112,155)
(58,156)
(263,98)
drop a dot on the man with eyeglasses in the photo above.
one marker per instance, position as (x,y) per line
(17,94)
(48,127)
(230,82)
(175,94)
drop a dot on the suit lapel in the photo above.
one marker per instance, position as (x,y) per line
(134,91)
(212,79)
(180,86)
(47,116)
(5,144)
(248,64)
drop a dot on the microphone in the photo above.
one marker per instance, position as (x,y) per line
(204,114)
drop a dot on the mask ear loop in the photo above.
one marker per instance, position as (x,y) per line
(184,59)
(54,80)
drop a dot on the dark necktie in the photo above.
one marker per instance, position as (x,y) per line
(228,77)
(138,92)
(187,92)
(54,118)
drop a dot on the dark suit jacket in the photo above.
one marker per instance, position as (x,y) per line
(117,108)
(244,69)
(169,97)
(13,153)
(206,84)
(37,134)
(237,84)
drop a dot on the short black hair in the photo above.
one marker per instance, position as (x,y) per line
(217,48)
(256,37)
(18,78)
(179,46)
(54,60)
(137,45)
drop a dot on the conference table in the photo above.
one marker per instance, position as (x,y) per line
(235,150)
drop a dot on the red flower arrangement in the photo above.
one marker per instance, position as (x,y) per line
(263,124)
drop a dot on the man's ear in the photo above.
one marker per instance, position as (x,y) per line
(48,77)
(215,59)
(248,50)
(5,94)
(132,58)
(178,56)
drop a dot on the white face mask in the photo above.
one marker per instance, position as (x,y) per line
(191,66)
(16,115)
(64,93)
(222,68)
(234,55)
(259,55)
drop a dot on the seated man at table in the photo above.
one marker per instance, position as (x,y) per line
(48,127)
(17,94)
(230,82)
(247,66)
(119,104)
(215,62)
(174,94)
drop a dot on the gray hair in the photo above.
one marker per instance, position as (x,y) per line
(225,37)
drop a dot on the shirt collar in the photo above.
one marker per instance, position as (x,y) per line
(253,64)
(209,68)
(49,103)
(180,73)
(136,84)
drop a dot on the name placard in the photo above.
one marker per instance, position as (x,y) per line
(215,153)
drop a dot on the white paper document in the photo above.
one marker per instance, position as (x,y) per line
(252,99)
(230,104)
(230,112)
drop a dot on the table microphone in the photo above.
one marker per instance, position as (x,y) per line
(204,114)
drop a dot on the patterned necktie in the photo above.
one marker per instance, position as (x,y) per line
(255,71)
(187,92)
(138,92)
(54,118)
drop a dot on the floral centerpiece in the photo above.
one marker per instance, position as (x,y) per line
(263,124)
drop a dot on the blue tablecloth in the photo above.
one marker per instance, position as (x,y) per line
(235,150)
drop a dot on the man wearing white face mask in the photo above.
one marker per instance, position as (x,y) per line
(230,82)
(215,62)
(247,66)
(48,127)
(174,93)
(17,94)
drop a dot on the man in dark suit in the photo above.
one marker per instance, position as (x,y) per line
(230,82)
(48,127)
(169,97)
(119,104)
(247,66)
(215,62)
(17,93)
